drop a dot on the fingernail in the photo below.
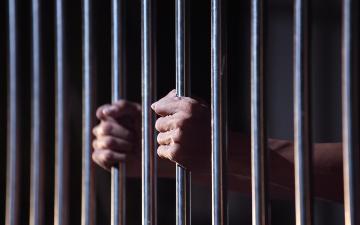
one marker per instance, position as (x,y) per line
(153,106)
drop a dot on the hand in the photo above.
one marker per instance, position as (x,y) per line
(184,131)
(118,134)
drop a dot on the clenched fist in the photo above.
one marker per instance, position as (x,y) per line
(118,134)
(184,129)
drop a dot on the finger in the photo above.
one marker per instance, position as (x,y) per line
(115,144)
(100,111)
(169,152)
(112,128)
(169,137)
(167,105)
(168,123)
(122,108)
(107,158)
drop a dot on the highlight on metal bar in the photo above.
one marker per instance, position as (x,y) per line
(302,135)
(37,138)
(218,123)
(258,130)
(118,175)
(350,15)
(87,198)
(148,152)
(61,189)
(183,178)
(12,182)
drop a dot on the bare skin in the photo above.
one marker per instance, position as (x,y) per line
(184,137)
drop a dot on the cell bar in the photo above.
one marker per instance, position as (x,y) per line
(258,122)
(12,182)
(118,175)
(183,179)
(350,142)
(218,123)
(88,198)
(148,153)
(37,138)
(61,146)
(302,135)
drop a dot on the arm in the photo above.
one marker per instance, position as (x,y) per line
(185,137)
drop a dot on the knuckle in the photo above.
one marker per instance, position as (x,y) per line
(158,124)
(120,104)
(107,157)
(109,142)
(187,106)
(160,152)
(178,133)
(106,128)
(179,123)
(158,138)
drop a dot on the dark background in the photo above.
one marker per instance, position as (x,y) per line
(326,96)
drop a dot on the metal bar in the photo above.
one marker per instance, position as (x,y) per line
(183,178)
(88,198)
(258,131)
(148,153)
(350,145)
(37,140)
(219,206)
(12,188)
(118,175)
(302,135)
(61,195)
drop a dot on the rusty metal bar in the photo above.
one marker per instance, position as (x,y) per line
(258,122)
(87,198)
(302,131)
(37,138)
(118,175)
(148,151)
(12,182)
(61,148)
(183,177)
(350,13)
(218,115)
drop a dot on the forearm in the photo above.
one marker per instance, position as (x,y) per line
(327,164)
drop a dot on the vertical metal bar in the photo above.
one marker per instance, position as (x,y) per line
(302,136)
(258,122)
(183,178)
(148,153)
(87,199)
(219,207)
(37,176)
(60,201)
(12,188)
(350,147)
(118,175)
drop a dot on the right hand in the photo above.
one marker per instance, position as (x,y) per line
(118,135)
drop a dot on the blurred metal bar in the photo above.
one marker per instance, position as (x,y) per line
(302,132)
(118,175)
(87,198)
(350,15)
(258,122)
(61,147)
(12,182)
(183,178)
(37,138)
(148,152)
(218,115)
